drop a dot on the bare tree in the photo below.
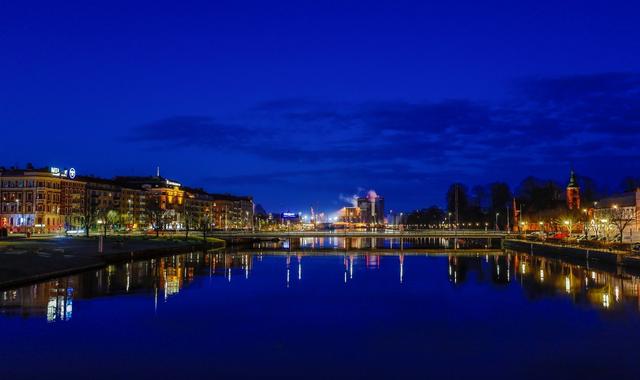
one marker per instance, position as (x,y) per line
(620,218)
(156,215)
(89,214)
(205,224)
(189,216)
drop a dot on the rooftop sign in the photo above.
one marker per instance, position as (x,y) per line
(66,173)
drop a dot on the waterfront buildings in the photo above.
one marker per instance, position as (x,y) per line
(619,216)
(51,199)
(232,212)
(40,200)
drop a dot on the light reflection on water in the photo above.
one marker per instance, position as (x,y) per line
(166,277)
(326,314)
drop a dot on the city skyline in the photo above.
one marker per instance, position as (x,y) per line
(308,102)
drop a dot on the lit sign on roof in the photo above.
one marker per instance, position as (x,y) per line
(66,173)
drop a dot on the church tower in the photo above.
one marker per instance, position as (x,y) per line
(573,193)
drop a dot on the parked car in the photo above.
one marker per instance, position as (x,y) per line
(636,248)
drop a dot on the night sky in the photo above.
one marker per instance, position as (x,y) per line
(304,103)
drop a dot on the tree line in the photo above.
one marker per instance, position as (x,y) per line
(535,198)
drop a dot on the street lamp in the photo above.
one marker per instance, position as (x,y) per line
(18,211)
(449,221)
(497,214)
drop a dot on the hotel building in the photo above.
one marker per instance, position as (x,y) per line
(40,200)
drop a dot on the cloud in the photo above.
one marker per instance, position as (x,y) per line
(580,118)
(200,131)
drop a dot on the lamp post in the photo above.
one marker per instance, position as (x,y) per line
(19,213)
(585,224)
(449,221)
(497,214)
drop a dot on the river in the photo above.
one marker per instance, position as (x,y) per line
(324,312)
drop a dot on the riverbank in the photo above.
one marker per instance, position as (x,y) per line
(24,261)
(575,254)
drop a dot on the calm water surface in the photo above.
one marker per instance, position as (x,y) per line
(326,315)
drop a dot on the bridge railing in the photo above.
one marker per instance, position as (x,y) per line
(342,233)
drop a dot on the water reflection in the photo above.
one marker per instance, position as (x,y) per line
(356,243)
(164,278)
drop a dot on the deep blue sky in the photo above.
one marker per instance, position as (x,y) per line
(303,103)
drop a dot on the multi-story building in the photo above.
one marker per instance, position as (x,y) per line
(39,200)
(107,197)
(72,202)
(619,216)
(50,199)
(232,212)
(133,203)
(198,206)
(167,193)
(102,196)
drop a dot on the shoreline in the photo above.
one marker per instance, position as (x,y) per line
(26,262)
(577,255)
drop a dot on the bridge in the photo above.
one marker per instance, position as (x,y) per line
(386,234)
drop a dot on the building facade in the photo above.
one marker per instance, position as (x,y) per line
(232,212)
(40,200)
(619,217)
(52,200)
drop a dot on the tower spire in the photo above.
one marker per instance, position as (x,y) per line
(157,171)
(573,192)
